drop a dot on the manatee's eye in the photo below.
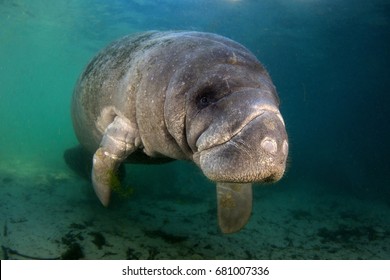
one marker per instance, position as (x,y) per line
(204,101)
(206,98)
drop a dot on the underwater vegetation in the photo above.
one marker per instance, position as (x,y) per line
(73,249)
(346,234)
(117,186)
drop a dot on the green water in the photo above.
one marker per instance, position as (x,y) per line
(330,63)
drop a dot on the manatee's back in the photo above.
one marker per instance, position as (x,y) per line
(112,80)
(98,87)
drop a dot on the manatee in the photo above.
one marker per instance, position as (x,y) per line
(183,95)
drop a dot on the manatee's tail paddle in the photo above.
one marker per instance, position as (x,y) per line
(234,206)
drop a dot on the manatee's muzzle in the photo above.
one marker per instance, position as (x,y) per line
(257,153)
(246,142)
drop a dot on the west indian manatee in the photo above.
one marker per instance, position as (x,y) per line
(188,96)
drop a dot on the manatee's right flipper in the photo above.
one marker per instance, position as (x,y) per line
(117,144)
(234,206)
(80,161)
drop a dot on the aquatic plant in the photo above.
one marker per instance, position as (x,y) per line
(116,185)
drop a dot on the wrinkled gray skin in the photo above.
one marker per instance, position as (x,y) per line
(183,95)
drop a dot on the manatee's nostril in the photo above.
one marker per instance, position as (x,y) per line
(285,147)
(269,145)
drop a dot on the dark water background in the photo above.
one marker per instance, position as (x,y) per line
(328,59)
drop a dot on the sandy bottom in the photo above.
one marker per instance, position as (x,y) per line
(50,213)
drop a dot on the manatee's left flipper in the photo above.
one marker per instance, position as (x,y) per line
(118,142)
(234,206)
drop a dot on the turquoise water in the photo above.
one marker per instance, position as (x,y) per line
(330,63)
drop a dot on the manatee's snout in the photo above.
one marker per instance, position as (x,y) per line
(271,147)
(256,153)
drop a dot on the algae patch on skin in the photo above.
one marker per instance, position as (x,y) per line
(116,185)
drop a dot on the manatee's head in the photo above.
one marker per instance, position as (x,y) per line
(232,126)
(239,137)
